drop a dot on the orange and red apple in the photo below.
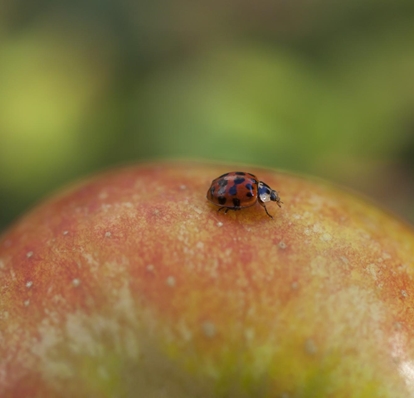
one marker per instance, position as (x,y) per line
(130,284)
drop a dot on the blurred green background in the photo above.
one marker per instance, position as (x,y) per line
(315,86)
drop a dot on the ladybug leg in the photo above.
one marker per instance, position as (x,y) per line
(267,212)
(226,209)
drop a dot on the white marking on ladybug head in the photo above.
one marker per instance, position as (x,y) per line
(267,194)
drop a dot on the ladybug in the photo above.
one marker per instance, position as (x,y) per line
(237,190)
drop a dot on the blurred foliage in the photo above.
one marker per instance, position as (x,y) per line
(315,86)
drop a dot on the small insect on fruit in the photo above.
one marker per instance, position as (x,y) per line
(237,190)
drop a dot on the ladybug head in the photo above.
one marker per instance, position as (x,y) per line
(267,194)
(275,197)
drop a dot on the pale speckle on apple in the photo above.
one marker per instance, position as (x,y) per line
(372,269)
(326,237)
(185,331)
(404,293)
(29,284)
(404,268)
(198,210)
(108,234)
(386,256)
(317,228)
(249,334)
(209,329)
(282,244)
(294,285)
(171,281)
(200,245)
(89,258)
(406,369)
(84,333)
(49,339)
(103,195)
(344,260)
(183,187)
(220,224)
(76,282)
(310,347)
(150,268)
(26,303)
(319,266)
(77,330)
(29,254)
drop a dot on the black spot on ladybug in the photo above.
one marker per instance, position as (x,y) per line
(249,194)
(222,200)
(249,187)
(240,173)
(233,190)
(239,180)
(236,202)
(223,175)
(222,182)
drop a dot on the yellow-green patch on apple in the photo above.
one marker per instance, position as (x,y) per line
(131,284)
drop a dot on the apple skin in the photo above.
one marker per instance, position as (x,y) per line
(131,284)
